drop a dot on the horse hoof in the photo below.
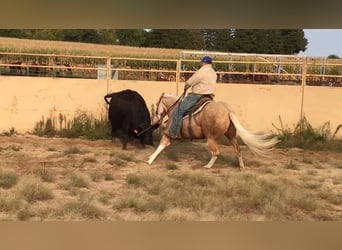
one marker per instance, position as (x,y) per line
(207,167)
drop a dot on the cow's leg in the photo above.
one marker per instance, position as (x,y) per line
(124,140)
(114,134)
(142,140)
(125,133)
(113,131)
(164,142)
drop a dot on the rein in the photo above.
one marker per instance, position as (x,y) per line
(157,123)
(171,106)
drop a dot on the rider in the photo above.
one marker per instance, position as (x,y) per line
(202,82)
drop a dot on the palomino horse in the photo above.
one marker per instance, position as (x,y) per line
(216,119)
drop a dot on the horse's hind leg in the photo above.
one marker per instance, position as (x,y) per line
(215,152)
(231,135)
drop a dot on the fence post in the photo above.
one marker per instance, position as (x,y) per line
(108,72)
(178,66)
(304,72)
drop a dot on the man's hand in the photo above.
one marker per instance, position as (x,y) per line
(187,86)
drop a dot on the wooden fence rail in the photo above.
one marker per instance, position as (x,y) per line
(231,68)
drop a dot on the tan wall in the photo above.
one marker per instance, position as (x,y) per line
(24,101)
(323,104)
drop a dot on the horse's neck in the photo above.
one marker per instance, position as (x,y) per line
(169,101)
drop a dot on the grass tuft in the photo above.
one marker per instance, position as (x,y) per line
(305,136)
(32,189)
(8,178)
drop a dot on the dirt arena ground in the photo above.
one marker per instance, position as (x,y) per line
(26,154)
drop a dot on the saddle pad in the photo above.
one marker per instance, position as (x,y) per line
(197,110)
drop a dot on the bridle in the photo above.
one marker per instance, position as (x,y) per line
(180,98)
(158,103)
(157,123)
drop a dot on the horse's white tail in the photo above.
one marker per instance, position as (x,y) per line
(260,144)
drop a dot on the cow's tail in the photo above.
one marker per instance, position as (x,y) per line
(260,144)
(106,98)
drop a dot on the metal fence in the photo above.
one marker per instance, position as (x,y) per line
(230,67)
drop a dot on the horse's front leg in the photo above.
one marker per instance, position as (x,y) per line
(164,142)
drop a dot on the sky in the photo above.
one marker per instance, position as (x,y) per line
(323,42)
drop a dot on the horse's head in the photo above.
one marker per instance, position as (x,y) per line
(163,106)
(160,108)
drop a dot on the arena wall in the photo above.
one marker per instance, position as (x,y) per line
(26,100)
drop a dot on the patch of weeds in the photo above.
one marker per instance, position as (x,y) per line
(331,197)
(105,197)
(172,155)
(193,179)
(51,148)
(32,190)
(8,178)
(267,170)
(72,151)
(126,157)
(90,159)
(96,176)
(229,160)
(337,180)
(44,173)
(15,148)
(83,207)
(78,165)
(25,214)
(45,128)
(291,165)
(312,184)
(251,163)
(134,179)
(307,160)
(117,162)
(171,166)
(305,136)
(311,172)
(82,124)
(308,204)
(318,166)
(10,203)
(108,176)
(12,131)
(141,202)
(74,180)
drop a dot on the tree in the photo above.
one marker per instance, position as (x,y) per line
(333,56)
(244,41)
(81,35)
(218,39)
(265,41)
(176,38)
(269,41)
(131,37)
(19,33)
(294,41)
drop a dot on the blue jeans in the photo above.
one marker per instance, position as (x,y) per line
(177,116)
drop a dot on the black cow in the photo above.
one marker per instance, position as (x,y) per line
(129,115)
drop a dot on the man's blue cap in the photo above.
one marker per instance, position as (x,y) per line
(207,59)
